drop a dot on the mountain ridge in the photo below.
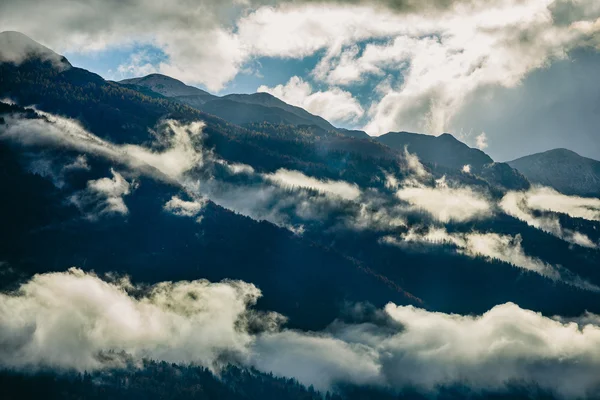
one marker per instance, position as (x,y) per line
(562,169)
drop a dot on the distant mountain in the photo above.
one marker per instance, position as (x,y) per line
(354,133)
(444,150)
(165,85)
(242,113)
(239,109)
(562,169)
(170,87)
(268,100)
(16,47)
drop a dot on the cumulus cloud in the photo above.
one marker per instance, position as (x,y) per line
(442,50)
(66,320)
(334,104)
(491,246)
(518,205)
(75,320)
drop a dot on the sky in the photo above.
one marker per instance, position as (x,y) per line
(511,77)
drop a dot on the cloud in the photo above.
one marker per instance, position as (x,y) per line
(75,320)
(184,208)
(518,205)
(547,199)
(179,158)
(491,246)
(481,141)
(440,51)
(335,104)
(181,148)
(66,320)
(16,48)
(287,178)
(104,196)
(446,203)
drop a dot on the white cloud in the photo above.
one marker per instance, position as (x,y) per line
(520,206)
(104,196)
(481,141)
(182,150)
(287,178)
(184,208)
(335,104)
(492,246)
(547,199)
(447,204)
(65,320)
(112,190)
(71,320)
(444,50)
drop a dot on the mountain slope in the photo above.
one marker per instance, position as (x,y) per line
(165,85)
(236,108)
(267,100)
(170,87)
(562,169)
(329,259)
(444,150)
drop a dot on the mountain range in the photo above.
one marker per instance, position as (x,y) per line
(266,228)
(444,150)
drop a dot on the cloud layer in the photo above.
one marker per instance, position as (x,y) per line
(75,320)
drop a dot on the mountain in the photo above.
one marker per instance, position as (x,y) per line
(268,100)
(120,180)
(444,150)
(562,169)
(170,87)
(236,108)
(16,47)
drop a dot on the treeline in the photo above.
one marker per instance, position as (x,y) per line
(156,380)
(166,381)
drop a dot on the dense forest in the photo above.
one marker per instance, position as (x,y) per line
(160,380)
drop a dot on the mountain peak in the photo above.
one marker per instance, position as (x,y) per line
(562,169)
(444,150)
(165,85)
(16,47)
(561,151)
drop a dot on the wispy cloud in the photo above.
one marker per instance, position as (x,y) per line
(104,196)
(492,246)
(521,206)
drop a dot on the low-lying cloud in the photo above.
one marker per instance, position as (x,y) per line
(178,155)
(287,178)
(491,246)
(522,205)
(76,321)
(104,196)
(547,199)
(184,208)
